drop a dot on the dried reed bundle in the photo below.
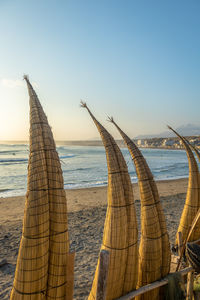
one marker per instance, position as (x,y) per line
(193,148)
(197,155)
(196,152)
(192,203)
(43,261)
(154,243)
(120,228)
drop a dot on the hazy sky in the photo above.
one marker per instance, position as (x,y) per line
(138,61)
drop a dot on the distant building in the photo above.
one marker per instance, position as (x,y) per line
(141,143)
(168,142)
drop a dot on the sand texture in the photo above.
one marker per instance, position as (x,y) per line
(87,209)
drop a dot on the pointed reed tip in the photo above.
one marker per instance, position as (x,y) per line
(176,133)
(110,119)
(169,127)
(26,77)
(83,104)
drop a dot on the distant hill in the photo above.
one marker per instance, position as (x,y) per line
(185,130)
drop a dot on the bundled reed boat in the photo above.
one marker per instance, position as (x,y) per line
(192,202)
(120,228)
(44,266)
(154,250)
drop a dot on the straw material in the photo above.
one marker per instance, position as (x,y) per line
(196,152)
(120,228)
(43,264)
(192,203)
(194,149)
(154,251)
(198,157)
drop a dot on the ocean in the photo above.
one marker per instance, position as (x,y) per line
(84,166)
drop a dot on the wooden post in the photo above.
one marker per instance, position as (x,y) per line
(190,283)
(152,286)
(102,275)
(70,276)
(180,243)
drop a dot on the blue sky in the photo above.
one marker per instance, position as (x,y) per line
(138,61)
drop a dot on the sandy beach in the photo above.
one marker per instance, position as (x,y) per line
(86,212)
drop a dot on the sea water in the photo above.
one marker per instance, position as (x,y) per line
(84,166)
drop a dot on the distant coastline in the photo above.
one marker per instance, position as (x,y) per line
(171,143)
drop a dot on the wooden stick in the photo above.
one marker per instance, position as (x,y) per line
(180,243)
(70,276)
(103,274)
(190,283)
(152,285)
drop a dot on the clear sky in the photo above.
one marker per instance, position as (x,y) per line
(138,61)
